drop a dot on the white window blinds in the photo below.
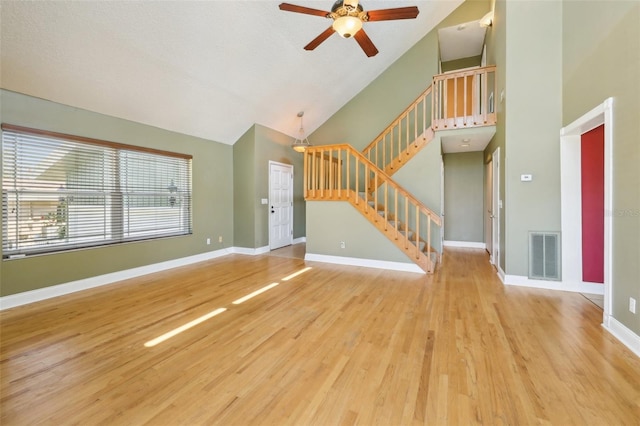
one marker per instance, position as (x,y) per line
(62,192)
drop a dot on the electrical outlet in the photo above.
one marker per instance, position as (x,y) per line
(632,305)
(208,241)
(220,239)
(342,244)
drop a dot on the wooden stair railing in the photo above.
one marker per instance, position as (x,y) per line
(404,137)
(454,100)
(464,99)
(341,173)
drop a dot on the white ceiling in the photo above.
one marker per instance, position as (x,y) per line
(204,68)
(467,140)
(464,40)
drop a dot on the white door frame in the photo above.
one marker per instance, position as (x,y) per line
(571,202)
(488,210)
(495,207)
(290,166)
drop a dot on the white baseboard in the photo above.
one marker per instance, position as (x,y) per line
(369,263)
(622,333)
(501,273)
(37,295)
(299,240)
(465,244)
(250,251)
(577,287)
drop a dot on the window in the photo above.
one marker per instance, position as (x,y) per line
(62,192)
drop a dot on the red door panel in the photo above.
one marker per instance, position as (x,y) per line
(592,159)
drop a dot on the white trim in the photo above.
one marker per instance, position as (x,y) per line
(496,208)
(290,167)
(299,240)
(250,251)
(501,273)
(37,295)
(578,287)
(623,334)
(367,263)
(465,244)
(571,201)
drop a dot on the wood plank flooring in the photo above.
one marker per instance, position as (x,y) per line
(335,345)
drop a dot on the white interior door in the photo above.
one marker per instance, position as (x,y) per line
(280,205)
(495,208)
(488,211)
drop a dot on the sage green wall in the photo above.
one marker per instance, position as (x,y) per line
(534,98)
(244,190)
(422,177)
(362,239)
(272,145)
(362,118)
(473,61)
(496,40)
(463,201)
(212,195)
(602,59)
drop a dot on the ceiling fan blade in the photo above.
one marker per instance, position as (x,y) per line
(322,37)
(409,12)
(365,42)
(301,9)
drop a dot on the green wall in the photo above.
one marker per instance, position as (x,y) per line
(251,156)
(244,190)
(599,64)
(473,61)
(362,239)
(533,95)
(464,201)
(212,196)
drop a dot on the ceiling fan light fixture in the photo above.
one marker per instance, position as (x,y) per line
(347,26)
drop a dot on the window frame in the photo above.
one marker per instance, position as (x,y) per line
(119,149)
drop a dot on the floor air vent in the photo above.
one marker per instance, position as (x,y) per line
(544,255)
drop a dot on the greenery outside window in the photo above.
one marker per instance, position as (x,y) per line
(62,192)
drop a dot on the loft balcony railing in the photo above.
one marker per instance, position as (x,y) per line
(464,99)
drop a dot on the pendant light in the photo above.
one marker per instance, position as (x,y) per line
(301,143)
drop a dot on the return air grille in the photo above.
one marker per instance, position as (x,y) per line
(544,255)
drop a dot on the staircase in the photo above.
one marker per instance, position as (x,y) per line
(341,173)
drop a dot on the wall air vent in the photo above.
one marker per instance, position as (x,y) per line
(544,255)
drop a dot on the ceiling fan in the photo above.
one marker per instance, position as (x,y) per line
(348,17)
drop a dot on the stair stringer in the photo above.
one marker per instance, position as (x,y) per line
(393,234)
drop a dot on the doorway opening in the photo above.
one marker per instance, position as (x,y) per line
(571,160)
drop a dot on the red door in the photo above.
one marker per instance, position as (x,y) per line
(592,170)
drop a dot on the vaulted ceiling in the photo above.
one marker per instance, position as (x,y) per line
(205,68)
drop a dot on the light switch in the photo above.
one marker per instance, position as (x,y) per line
(264,201)
(526,178)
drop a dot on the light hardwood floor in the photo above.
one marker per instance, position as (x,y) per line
(335,345)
